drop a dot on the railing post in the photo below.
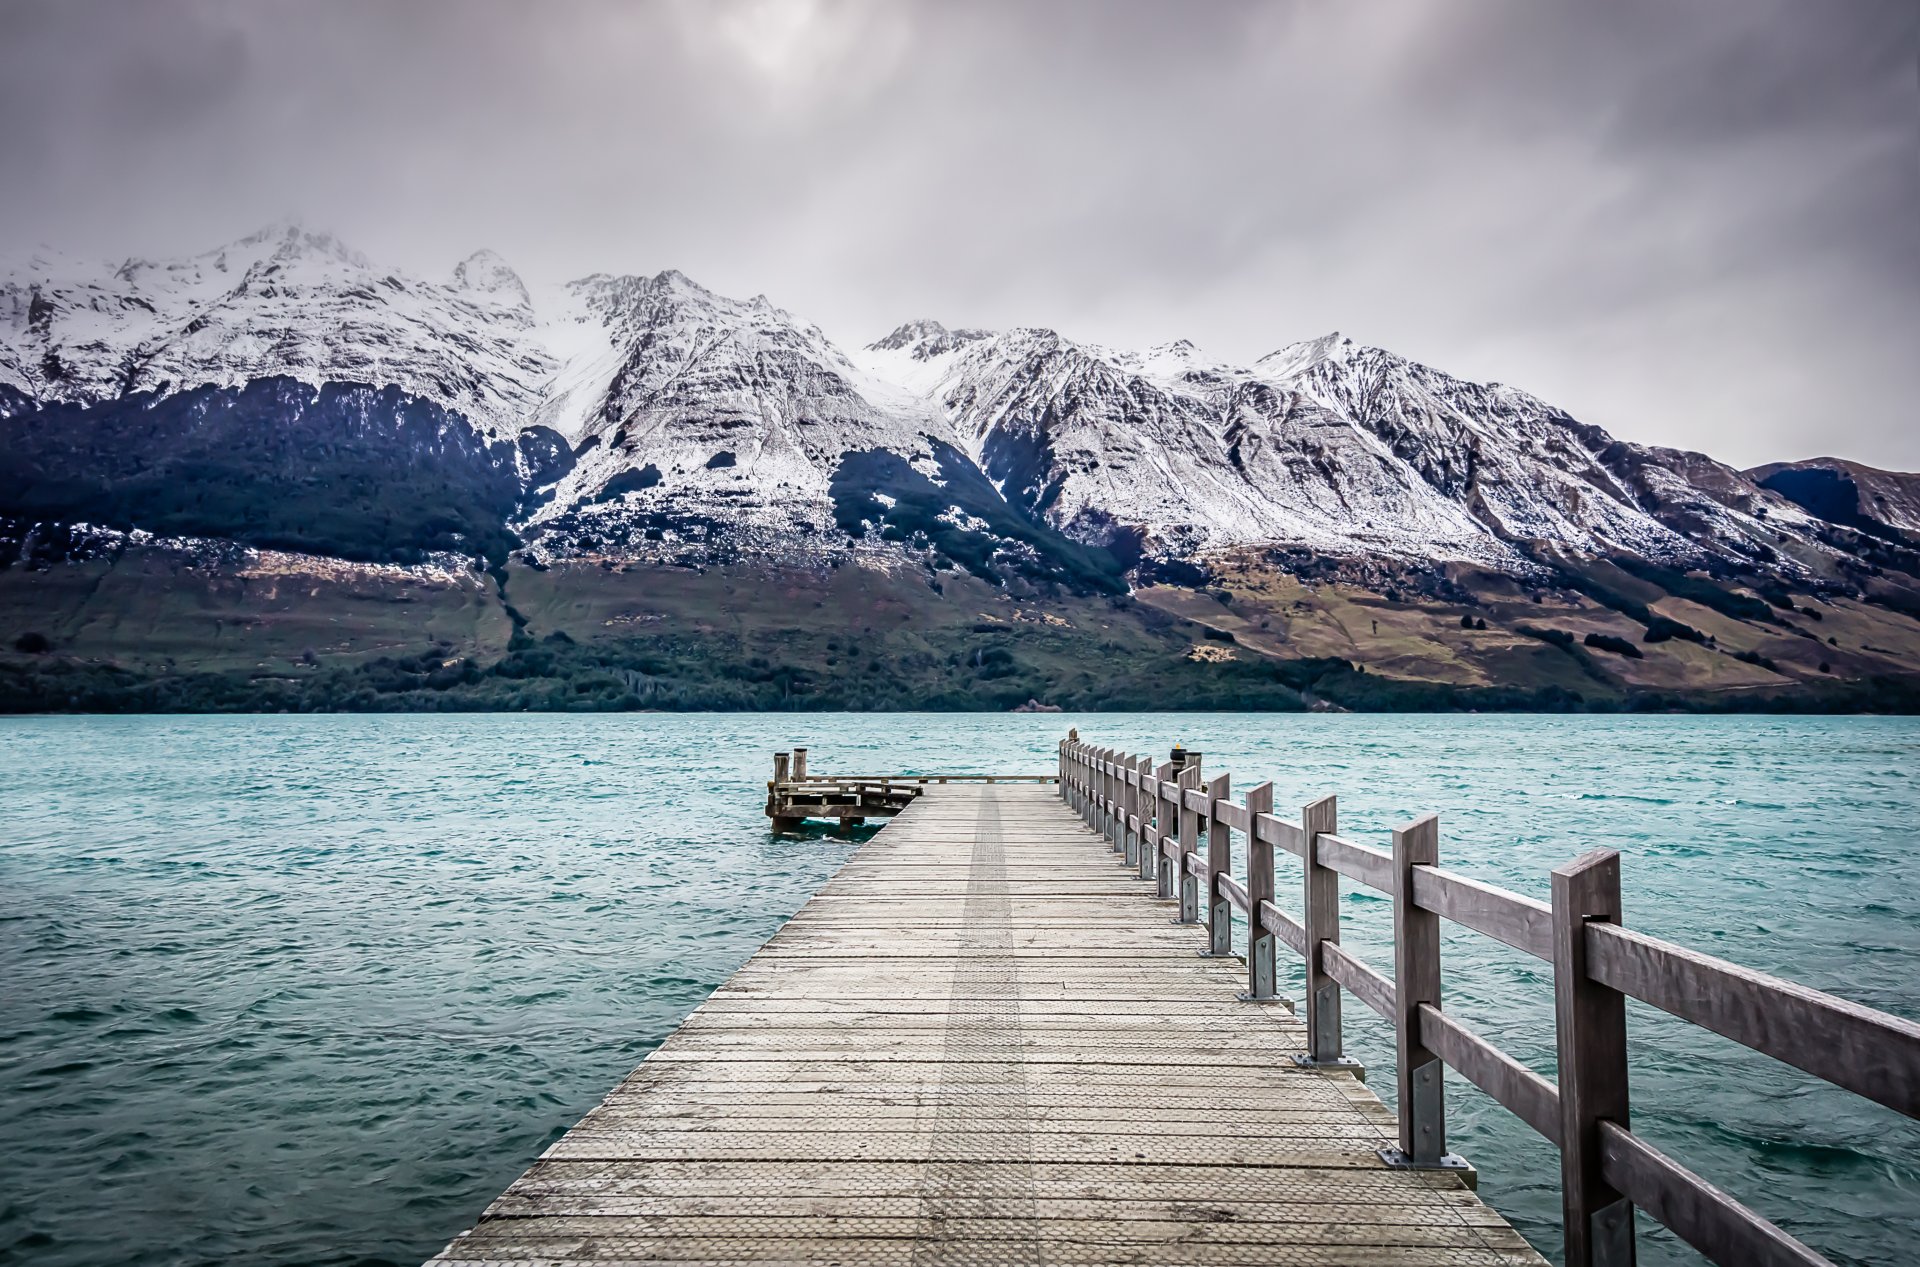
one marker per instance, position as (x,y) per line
(1321,920)
(1123,830)
(1189,841)
(1060,782)
(1135,812)
(1080,780)
(1219,864)
(1260,944)
(1150,838)
(1167,825)
(1107,758)
(1418,1073)
(1590,1022)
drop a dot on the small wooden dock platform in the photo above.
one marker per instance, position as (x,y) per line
(985,1042)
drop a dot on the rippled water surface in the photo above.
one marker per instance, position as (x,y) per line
(283,990)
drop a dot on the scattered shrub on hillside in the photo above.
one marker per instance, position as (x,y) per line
(1755,658)
(1558,637)
(1661,629)
(33,643)
(1619,646)
(1221,635)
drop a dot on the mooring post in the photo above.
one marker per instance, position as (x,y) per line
(779,768)
(799,763)
(1260,943)
(1590,1024)
(1189,820)
(1219,867)
(1321,920)
(1416,980)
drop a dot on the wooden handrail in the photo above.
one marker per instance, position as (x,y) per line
(1868,1052)
(1159,814)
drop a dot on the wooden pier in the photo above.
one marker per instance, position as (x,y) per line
(794,795)
(990,1039)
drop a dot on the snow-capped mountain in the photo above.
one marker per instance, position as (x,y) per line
(281,302)
(641,413)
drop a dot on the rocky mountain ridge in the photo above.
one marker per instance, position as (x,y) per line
(628,416)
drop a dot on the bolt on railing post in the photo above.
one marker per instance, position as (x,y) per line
(1189,841)
(1590,1023)
(1321,921)
(1260,943)
(1219,866)
(1418,1073)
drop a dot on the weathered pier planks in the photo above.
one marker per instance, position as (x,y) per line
(984,1042)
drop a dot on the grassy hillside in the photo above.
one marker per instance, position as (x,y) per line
(162,629)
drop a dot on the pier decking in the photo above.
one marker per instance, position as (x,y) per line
(983,1043)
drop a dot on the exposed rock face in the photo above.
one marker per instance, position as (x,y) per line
(1848,493)
(641,415)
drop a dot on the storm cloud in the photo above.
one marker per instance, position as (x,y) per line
(1694,224)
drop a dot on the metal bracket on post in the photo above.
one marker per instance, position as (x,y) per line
(1424,1104)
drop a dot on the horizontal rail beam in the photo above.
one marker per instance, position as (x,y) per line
(1281,834)
(1698,1213)
(1520,922)
(1525,1093)
(1284,926)
(1360,981)
(1866,1051)
(1362,863)
(1235,891)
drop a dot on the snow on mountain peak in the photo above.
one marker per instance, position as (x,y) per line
(487,278)
(680,404)
(925,339)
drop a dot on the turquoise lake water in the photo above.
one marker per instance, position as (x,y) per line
(291,990)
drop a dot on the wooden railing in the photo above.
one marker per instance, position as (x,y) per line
(1158,814)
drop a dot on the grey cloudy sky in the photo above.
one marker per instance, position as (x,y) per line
(1695,224)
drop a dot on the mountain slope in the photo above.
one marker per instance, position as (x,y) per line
(285,393)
